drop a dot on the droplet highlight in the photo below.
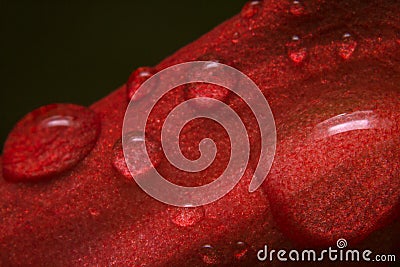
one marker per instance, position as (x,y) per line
(347,47)
(136,79)
(135,155)
(49,141)
(186,216)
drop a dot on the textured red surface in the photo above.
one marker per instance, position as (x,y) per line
(334,175)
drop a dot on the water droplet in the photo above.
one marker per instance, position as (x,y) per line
(186,216)
(347,47)
(49,141)
(235,37)
(194,90)
(296,52)
(296,8)
(136,79)
(240,250)
(94,212)
(250,9)
(135,156)
(210,255)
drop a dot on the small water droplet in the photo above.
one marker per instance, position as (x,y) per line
(136,79)
(210,255)
(235,37)
(296,8)
(250,9)
(347,47)
(240,250)
(186,216)
(296,52)
(94,212)
(194,90)
(135,156)
(49,141)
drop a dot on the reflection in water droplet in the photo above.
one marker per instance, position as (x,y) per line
(250,9)
(359,120)
(135,155)
(137,78)
(240,250)
(48,141)
(58,121)
(186,216)
(296,8)
(347,47)
(235,37)
(210,255)
(296,52)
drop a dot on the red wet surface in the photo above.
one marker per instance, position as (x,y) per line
(335,98)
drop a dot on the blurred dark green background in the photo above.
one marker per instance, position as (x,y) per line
(79,51)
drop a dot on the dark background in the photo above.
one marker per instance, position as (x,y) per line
(79,51)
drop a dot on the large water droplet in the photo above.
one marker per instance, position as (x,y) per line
(347,47)
(210,255)
(135,156)
(136,79)
(250,9)
(296,8)
(296,52)
(186,216)
(49,141)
